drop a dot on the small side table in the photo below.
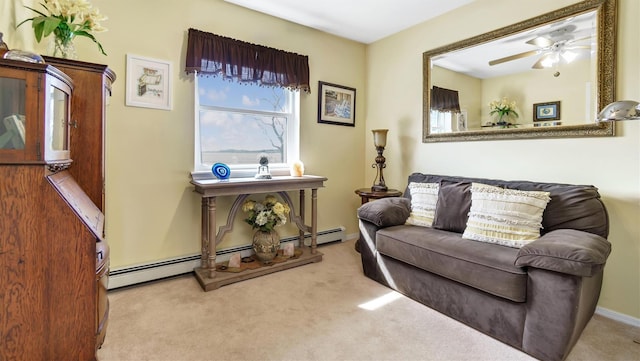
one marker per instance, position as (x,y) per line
(367,194)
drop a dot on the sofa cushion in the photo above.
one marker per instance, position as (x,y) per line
(508,217)
(385,212)
(484,266)
(452,209)
(424,197)
(571,206)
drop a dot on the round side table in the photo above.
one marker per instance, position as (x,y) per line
(367,194)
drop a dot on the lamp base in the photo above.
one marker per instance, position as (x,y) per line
(379,188)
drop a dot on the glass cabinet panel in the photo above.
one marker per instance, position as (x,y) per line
(58,107)
(12,113)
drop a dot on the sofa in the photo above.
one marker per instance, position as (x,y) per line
(531,278)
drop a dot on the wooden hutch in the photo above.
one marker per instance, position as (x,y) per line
(53,256)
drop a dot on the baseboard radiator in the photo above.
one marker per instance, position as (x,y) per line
(127,276)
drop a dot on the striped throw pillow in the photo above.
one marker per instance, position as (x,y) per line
(424,197)
(507,217)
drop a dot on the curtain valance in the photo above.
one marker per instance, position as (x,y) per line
(211,54)
(445,100)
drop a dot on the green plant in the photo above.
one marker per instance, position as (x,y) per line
(503,107)
(266,215)
(67,19)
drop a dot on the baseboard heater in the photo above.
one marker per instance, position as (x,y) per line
(127,276)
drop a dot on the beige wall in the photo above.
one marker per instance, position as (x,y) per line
(612,163)
(569,88)
(152,212)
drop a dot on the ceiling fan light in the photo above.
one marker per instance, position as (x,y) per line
(569,56)
(547,62)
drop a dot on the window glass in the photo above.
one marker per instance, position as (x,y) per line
(236,123)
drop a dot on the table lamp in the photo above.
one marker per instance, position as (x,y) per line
(620,110)
(380,141)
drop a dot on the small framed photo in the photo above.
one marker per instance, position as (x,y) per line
(336,104)
(546,111)
(461,121)
(148,83)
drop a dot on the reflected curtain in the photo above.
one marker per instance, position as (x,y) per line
(210,54)
(445,100)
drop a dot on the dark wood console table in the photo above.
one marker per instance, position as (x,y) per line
(209,189)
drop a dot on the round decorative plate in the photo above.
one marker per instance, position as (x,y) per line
(221,171)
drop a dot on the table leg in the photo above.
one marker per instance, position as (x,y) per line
(204,232)
(211,236)
(302,218)
(314,220)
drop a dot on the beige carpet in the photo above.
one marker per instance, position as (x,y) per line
(311,313)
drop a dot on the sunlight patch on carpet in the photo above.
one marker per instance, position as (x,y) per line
(380,301)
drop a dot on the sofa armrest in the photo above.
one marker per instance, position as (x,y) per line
(386,212)
(567,251)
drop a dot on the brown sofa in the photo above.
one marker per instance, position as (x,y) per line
(537,298)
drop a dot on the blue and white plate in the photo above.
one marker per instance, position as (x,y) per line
(221,171)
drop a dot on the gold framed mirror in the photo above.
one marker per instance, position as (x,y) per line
(510,63)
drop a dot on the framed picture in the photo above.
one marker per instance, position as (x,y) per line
(461,121)
(546,111)
(336,104)
(148,83)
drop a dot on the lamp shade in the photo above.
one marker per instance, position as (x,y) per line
(620,110)
(380,137)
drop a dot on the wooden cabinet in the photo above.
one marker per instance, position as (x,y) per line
(53,257)
(92,90)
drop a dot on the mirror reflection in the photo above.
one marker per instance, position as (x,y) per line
(545,77)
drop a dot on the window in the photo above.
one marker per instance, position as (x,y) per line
(440,121)
(237,122)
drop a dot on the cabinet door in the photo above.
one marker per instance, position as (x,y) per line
(19,116)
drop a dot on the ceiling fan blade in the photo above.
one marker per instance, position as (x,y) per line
(541,42)
(513,57)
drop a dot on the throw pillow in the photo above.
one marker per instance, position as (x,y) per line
(508,217)
(424,197)
(452,209)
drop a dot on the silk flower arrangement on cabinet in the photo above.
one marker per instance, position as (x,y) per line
(66,19)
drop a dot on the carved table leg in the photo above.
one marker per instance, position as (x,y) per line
(314,220)
(301,230)
(211,236)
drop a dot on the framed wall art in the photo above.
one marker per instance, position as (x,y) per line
(336,104)
(148,83)
(546,111)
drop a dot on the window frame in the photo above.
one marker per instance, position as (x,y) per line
(203,171)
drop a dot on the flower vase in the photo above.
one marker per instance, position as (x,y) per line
(62,48)
(266,245)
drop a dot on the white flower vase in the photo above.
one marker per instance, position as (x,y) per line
(62,49)
(266,245)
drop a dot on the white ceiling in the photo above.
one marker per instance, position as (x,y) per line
(364,21)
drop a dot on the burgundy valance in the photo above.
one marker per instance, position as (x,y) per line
(211,54)
(445,100)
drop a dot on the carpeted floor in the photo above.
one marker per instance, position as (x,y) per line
(311,313)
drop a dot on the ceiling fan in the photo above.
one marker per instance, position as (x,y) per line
(555,45)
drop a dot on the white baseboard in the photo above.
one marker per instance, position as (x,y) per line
(617,316)
(127,276)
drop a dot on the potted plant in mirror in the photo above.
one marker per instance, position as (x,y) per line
(504,111)
(264,217)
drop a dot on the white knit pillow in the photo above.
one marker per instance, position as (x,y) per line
(508,217)
(424,197)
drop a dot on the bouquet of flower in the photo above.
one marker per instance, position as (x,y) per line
(266,215)
(503,108)
(67,19)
